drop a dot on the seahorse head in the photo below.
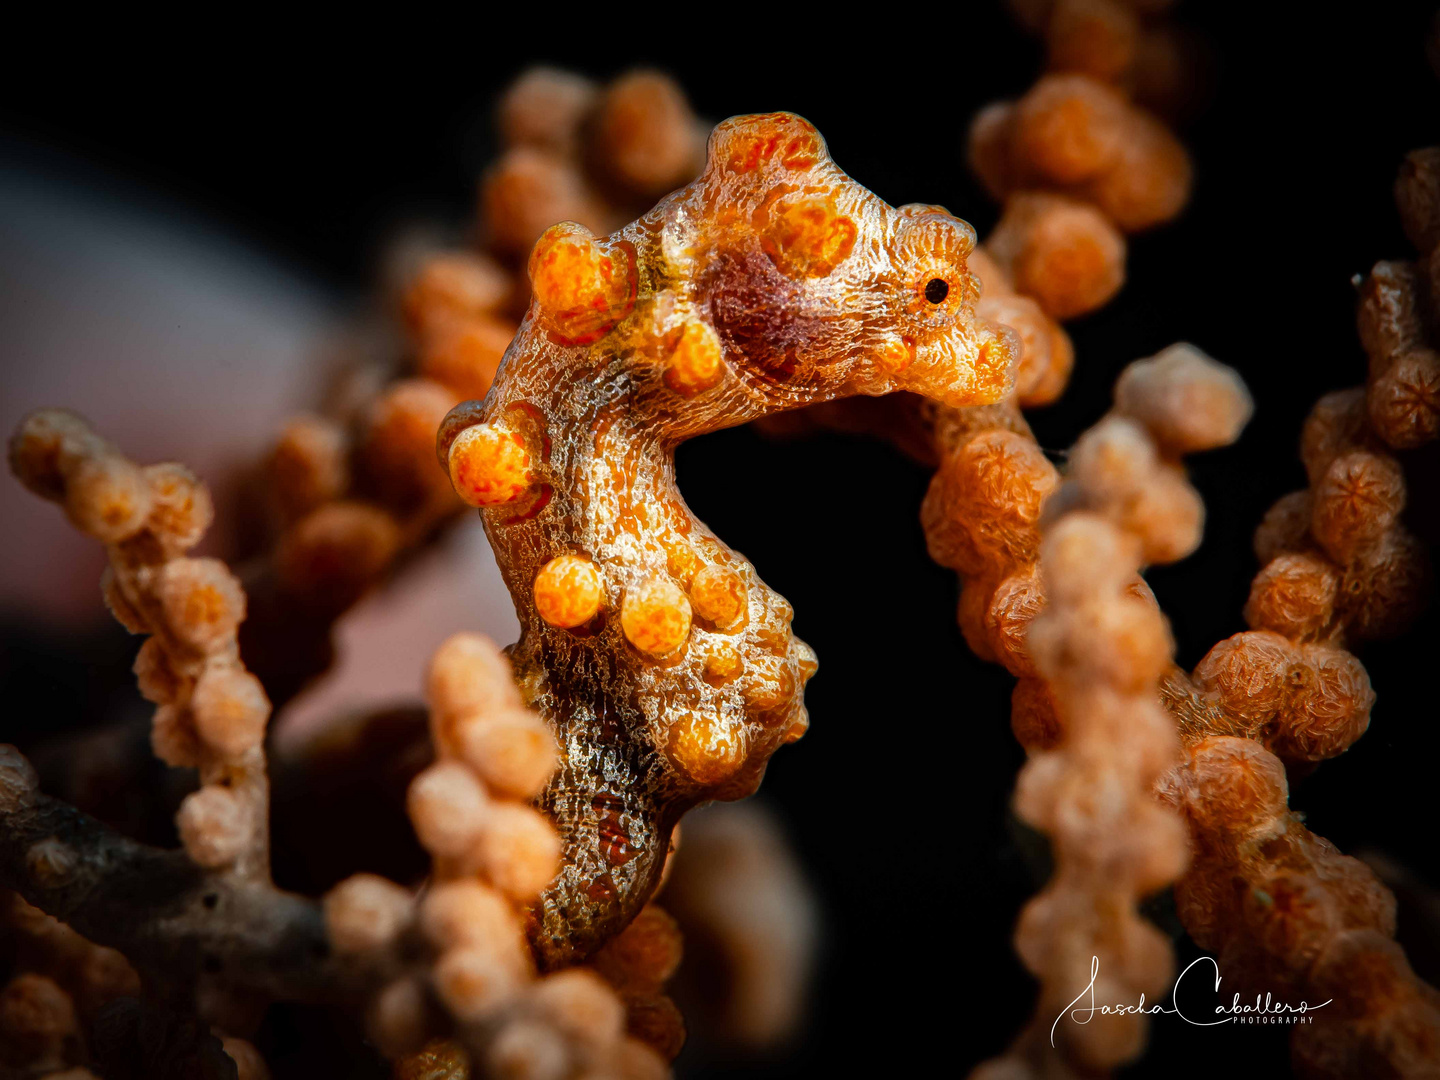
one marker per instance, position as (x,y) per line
(815,285)
(771,281)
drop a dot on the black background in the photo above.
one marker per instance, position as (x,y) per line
(312,144)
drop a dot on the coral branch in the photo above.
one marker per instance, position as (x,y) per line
(1280,904)
(173,920)
(1078,165)
(1339,568)
(1101,645)
(211,711)
(464,941)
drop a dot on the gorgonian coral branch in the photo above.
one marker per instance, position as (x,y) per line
(212,711)
(1281,905)
(469,982)
(1338,566)
(1079,161)
(173,919)
(205,920)
(1087,630)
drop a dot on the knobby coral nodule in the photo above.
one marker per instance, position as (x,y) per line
(663,663)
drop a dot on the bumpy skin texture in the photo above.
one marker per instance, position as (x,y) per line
(771,282)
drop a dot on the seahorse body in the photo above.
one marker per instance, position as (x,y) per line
(665,666)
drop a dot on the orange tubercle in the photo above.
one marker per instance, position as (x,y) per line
(994,362)
(655,616)
(696,362)
(896,354)
(809,237)
(718,595)
(755,141)
(584,286)
(768,684)
(568,591)
(723,663)
(489,465)
(706,747)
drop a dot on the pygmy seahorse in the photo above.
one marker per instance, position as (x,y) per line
(662,662)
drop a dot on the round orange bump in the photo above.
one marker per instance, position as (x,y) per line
(1064,253)
(489,465)
(806,660)
(768,684)
(995,362)
(723,663)
(463,354)
(706,746)
(719,595)
(655,616)
(584,286)
(568,591)
(896,354)
(809,237)
(696,363)
(454,284)
(107,496)
(680,560)
(745,144)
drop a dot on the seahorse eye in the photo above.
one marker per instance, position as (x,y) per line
(936,289)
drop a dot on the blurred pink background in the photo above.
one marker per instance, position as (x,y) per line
(179,341)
